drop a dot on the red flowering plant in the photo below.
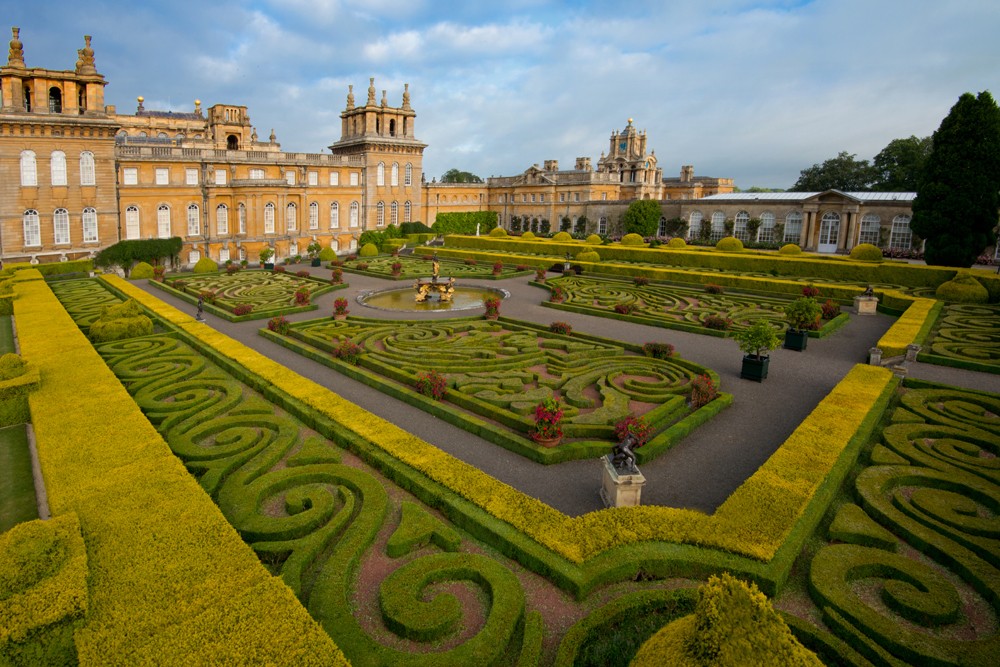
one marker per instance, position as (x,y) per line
(278,325)
(396,268)
(336,276)
(302,297)
(348,351)
(712,288)
(497,268)
(658,350)
(431,383)
(548,415)
(361,266)
(640,281)
(830,309)
(242,309)
(302,274)
(540,275)
(492,304)
(624,308)
(232,268)
(280,269)
(208,295)
(471,262)
(158,272)
(634,426)
(810,291)
(703,391)
(564,328)
(558,295)
(340,306)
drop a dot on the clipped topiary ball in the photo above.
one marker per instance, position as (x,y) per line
(594,239)
(141,270)
(528,236)
(205,265)
(729,244)
(498,232)
(588,256)
(633,239)
(866,252)
(562,237)
(368,250)
(963,288)
(327,254)
(790,249)
(677,242)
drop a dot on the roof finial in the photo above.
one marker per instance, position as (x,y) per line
(85,65)
(371,91)
(385,102)
(15,57)
(350,96)
(406,96)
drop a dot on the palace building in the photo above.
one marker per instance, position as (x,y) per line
(77,176)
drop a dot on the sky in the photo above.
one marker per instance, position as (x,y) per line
(754,90)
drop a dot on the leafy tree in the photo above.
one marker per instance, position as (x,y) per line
(456,176)
(959,191)
(897,167)
(642,217)
(843,173)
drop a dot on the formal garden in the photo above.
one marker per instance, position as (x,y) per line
(408,267)
(870,530)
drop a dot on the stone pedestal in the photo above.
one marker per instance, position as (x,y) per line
(866,305)
(620,489)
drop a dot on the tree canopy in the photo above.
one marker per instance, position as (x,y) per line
(642,217)
(844,173)
(456,176)
(897,167)
(959,190)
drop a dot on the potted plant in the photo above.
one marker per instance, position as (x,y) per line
(340,308)
(802,315)
(313,249)
(548,416)
(756,341)
(265,255)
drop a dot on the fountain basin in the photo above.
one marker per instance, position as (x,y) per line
(464,297)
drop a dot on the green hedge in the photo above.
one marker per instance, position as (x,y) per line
(465,222)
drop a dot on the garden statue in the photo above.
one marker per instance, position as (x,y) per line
(868,292)
(622,456)
(435,268)
(200,315)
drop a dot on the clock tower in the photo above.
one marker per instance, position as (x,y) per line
(632,167)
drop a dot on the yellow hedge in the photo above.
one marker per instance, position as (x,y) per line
(753,522)
(911,326)
(161,554)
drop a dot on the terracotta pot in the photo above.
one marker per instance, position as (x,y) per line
(547,442)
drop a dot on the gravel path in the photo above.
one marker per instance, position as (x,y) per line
(698,473)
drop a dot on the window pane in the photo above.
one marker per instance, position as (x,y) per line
(29,171)
(132,222)
(60,224)
(32,229)
(222,219)
(58,168)
(87,173)
(194,220)
(89,225)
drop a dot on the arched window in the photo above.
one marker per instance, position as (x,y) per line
(163,221)
(27,98)
(765,234)
(87,172)
(313,215)
(29,169)
(870,225)
(900,236)
(222,219)
(90,225)
(661,229)
(55,100)
(602,226)
(60,226)
(269,218)
(232,142)
(57,164)
(694,224)
(132,222)
(241,213)
(407,208)
(193,220)
(380,214)
(394,174)
(793,228)
(380,174)
(394,213)
(740,226)
(334,215)
(392,127)
(408,175)
(718,225)
(354,214)
(32,228)
(291,216)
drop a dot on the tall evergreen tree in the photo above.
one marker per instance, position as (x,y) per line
(958,197)
(642,217)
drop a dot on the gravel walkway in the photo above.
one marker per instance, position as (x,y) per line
(698,473)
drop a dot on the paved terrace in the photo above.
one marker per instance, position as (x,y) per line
(698,473)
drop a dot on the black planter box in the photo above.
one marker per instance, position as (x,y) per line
(314,262)
(796,340)
(754,368)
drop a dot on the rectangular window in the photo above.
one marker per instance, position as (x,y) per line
(524,198)
(242,214)
(562,197)
(130,176)
(314,216)
(354,178)
(500,199)
(313,178)
(293,248)
(163,222)
(257,174)
(87,175)
(334,178)
(220,176)
(89,225)
(793,231)
(269,219)
(334,215)
(604,196)
(290,177)
(223,254)
(602,226)
(132,222)
(162,176)
(532,198)
(61,226)
(290,217)
(541,198)
(191,177)
(194,221)
(576,196)
(222,221)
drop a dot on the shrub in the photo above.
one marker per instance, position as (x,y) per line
(280,269)
(11,366)
(243,309)
(336,276)
(302,274)
(562,237)
(729,244)
(158,272)
(810,291)
(866,252)
(340,306)
(528,236)
(548,416)
(717,322)
(790,249)
(521,267)
(633,239)
(640,281)
(588,256)
(594,239)
(232,268)
(712,288)
(492,305)
(497,268)
(353,256)
(676,242)
(540,274)
(561,328)
(758,339)
(368,250)
(658,350)
(302,297)
(624,308)
(141,270)
(207,295)
(830,309)
(278,324)
(347,351)
(327,254)
(431,383)
(803,314)
(205,265)
(634,426)
(471,262)
(120,321)
(334,263)
(963,288)
(558,295)
(703,391)
(396,268)
(361,266)
(498,232)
